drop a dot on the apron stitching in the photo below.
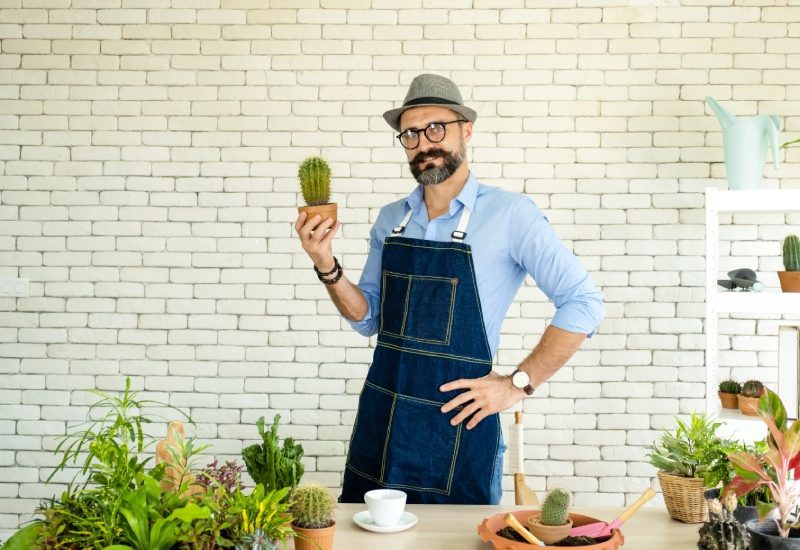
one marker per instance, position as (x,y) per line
(388,434)
(455,459)
(409,397)
(428,247)
(405,307)
(453,287)
(480,310)
(435,354)
(398,485)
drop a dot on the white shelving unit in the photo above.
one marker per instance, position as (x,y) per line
(720,301)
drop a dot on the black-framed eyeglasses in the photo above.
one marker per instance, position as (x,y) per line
(434,132)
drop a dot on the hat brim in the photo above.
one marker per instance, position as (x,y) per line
(392,117)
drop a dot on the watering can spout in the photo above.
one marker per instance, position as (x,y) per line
(725,118)
(773,126)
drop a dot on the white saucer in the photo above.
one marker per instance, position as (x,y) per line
(364,520)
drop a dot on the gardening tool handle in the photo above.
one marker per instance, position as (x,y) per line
(646,495)
(512,522)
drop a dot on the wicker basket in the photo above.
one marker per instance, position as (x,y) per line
(684,497)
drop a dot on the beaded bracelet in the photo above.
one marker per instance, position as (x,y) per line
(335,279)
(336,268)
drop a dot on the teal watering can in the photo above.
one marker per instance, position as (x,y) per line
(745,145)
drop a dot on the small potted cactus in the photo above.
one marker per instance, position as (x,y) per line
(728,393)
(748,397)
(790,279)
(312,517)
(723,531)
(315,184)
(553,522)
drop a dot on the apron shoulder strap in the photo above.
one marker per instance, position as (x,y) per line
(402,227)
(460,233)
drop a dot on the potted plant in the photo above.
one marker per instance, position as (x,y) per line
(312,512)
(746,503)
(748,397)
(553,523)
(271,465)
(777,468)
(689,460)
(728,390)
(790,279)
(723,530)
(315,184)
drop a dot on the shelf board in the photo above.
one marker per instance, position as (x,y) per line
(736,425)
(767,301)
(759,200)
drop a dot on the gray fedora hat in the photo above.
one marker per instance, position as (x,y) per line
(430,89)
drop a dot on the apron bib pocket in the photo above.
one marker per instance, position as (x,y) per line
(417,307)
(427,467)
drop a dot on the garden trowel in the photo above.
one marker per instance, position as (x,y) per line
(603,529)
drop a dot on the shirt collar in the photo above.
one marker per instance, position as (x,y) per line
(467,197)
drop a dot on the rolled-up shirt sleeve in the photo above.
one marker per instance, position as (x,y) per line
(370,284)
(557,272)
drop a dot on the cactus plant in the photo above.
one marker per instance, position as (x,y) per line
(722,531)
(791,253)
(315,181)
(555,509)
(730,386)
(312,506)
(752,388)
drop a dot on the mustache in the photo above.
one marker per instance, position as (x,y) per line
(419,158)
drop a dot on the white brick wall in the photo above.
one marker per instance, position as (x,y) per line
(147,190)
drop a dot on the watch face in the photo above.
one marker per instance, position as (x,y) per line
(520,379)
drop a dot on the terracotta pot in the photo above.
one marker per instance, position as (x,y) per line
(748,405)
(488,529)
(548,534)
(790,281)
(728,400)
(324,210)
(314,539)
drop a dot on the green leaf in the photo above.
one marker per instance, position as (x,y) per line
(190,512)
(25,538)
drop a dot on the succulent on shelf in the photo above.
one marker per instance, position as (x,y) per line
(315,181)
(722,531)
(752,388)
(730,386)
(555,508)
(312,506)
(791,253)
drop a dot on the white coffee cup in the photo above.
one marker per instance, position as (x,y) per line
(385,506)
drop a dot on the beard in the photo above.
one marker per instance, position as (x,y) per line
(434,175)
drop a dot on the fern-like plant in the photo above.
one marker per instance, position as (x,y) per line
(271,465)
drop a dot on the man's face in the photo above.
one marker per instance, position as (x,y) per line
(433,163)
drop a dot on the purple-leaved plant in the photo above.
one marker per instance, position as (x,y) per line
(228,475)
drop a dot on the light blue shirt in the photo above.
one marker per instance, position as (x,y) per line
(510,238)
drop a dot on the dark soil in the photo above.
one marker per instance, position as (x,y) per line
(509,533)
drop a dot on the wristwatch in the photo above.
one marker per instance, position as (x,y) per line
(522,380)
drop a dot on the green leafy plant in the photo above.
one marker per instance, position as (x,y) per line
(271,465)
(311,506)
(730,386)
(776,469)
(791,253)
(555,508)
(693,450)
(752,388)
(263,512)
(315,181)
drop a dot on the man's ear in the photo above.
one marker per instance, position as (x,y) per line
(467,132)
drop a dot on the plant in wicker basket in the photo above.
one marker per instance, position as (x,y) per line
(312,512)
(728,391)
(690,459)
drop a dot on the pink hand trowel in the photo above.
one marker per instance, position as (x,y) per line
(603,529)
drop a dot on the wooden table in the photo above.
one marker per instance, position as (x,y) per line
(449,527)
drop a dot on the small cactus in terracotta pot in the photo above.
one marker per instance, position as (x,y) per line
(728,393)
(315,184)
(790,279)
(553,522)
(748,397)
(311,506)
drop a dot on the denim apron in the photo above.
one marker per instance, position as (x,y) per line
(431,332)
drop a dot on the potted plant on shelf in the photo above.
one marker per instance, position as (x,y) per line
(777,468)
(553,523)
(268,463)
(315,184)
(728,392)
(748,397)
(312,509)
(689,460)
(790,279)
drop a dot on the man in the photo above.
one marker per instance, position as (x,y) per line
(443,268)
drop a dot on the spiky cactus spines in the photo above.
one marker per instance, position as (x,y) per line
(752,388)
(555,508)
(791,253)
(730,386)
(722,531)
(315,181)
(312,506)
